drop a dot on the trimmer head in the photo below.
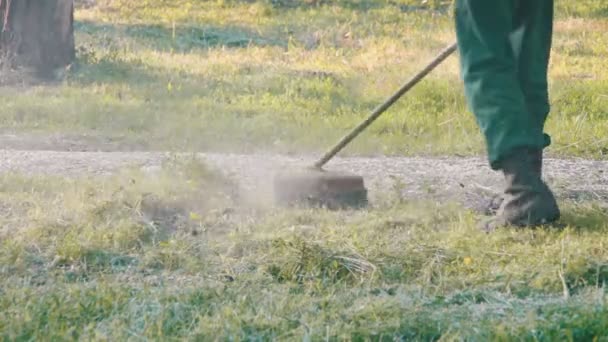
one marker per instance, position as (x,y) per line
(338,190)
(318,188)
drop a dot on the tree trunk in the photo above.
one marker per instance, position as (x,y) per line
(38,33)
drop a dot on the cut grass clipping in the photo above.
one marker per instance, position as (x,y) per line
(160,256)
(175,254)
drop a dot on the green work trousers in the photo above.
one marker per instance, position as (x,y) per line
(504,50)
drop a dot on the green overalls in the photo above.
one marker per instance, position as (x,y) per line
(504,48)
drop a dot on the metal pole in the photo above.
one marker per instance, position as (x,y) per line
(383,107)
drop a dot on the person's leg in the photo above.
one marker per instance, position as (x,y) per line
(531,44)
(532,47)
(487,33)
(490,73)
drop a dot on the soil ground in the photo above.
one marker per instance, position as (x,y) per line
(467,180)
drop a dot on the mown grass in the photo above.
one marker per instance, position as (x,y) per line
(175,254)
(294,76)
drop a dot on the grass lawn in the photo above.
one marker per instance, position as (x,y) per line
(139,256)
(172,255)
(292,76)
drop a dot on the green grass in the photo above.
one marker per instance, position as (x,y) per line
(178,255)
(291,76)
(155,256)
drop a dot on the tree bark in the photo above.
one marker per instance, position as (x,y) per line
(38,33)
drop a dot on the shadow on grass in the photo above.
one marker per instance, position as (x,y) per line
(365,5)
(183,38)
(101,54)
(583,8)
(112,71)
(601,13)
(586,218)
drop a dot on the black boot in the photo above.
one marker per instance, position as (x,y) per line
(527,200)
(497,200)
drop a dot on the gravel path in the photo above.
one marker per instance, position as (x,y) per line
(468,180)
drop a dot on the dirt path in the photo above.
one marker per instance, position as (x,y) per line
(468,180)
